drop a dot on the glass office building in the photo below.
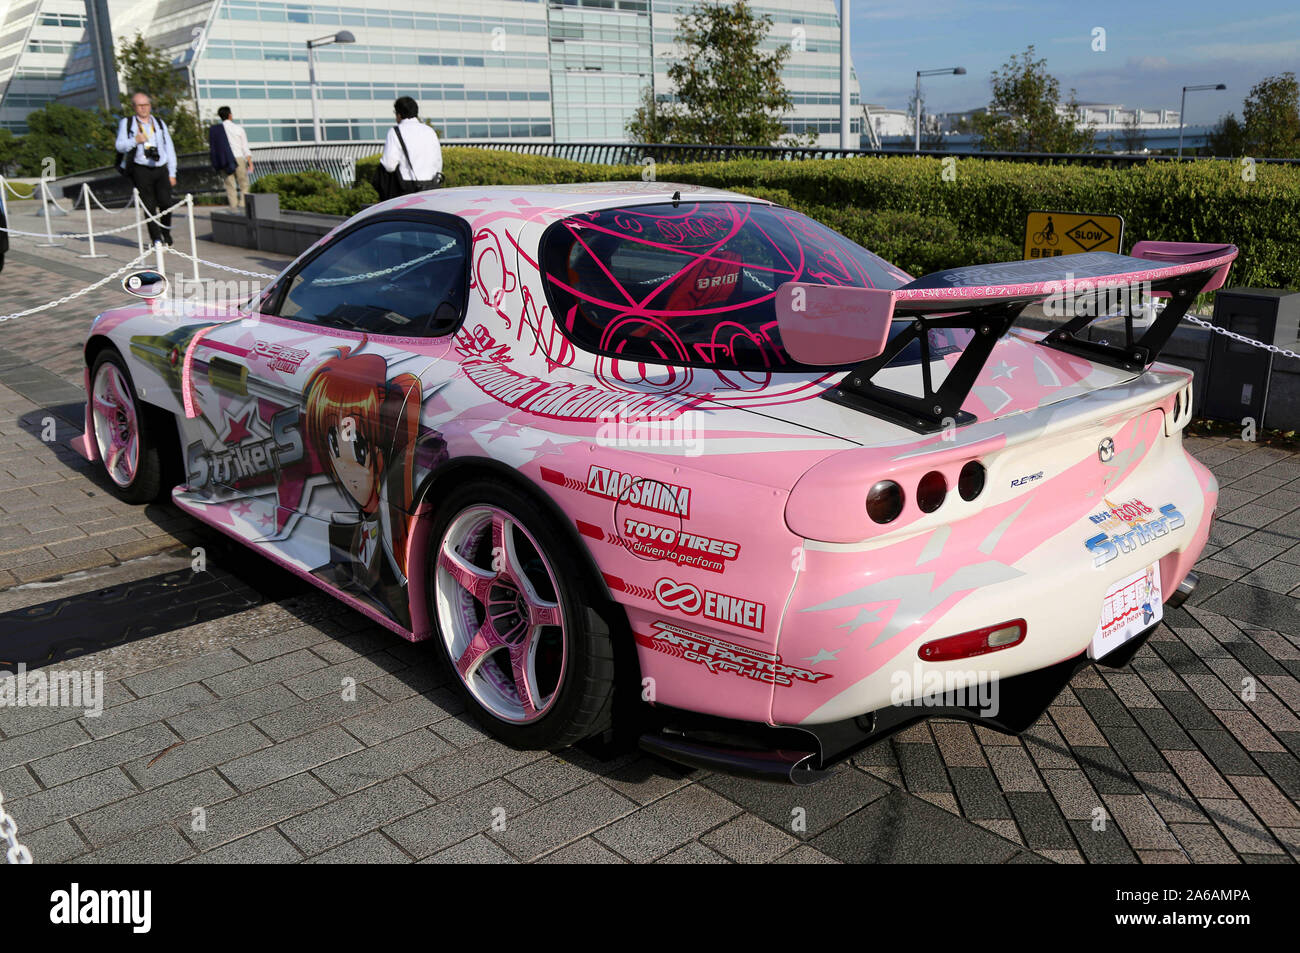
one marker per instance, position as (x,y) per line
(540,70)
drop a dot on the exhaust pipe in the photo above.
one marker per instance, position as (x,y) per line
(1184,590)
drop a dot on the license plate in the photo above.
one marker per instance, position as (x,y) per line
(1130,607)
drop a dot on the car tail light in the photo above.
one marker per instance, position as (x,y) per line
(977,642)
(1182,412)
(885,501)
(931,491)
(970,482)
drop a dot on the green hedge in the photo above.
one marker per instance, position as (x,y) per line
(316,192)
(902,209)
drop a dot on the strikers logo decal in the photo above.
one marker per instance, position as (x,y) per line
(1137,526)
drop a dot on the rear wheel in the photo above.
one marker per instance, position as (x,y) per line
(124,432)
(533,660)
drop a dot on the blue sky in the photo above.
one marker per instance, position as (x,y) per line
(1152,50)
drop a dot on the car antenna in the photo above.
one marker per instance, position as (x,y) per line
(677,199)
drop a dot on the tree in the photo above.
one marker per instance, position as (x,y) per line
(1227,137)
(1271,115)
(1025,113)
(651,122)
(62,139)
(728,90)
(146,69)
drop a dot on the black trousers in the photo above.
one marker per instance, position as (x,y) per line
(155,190)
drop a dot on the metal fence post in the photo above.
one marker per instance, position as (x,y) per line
(90,228)
(194,242)
(49,232)
(139,225)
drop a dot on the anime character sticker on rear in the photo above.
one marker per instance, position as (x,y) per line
(363,427)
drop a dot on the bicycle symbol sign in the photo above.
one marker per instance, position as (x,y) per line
(1049,234)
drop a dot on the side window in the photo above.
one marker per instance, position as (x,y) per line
(404,277)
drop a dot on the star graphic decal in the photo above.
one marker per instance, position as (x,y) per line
(547,446)
(239,429)
(243,509)
(505,430)
(863,617)
(823,656)
(1003,369)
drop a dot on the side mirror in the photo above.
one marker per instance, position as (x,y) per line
(826,325)
(145,284)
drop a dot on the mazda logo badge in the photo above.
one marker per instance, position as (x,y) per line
(1106,450)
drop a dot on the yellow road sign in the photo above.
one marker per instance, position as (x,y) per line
(1048,234)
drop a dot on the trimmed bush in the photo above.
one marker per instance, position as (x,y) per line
(314,191)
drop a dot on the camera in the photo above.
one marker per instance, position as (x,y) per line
(151,153)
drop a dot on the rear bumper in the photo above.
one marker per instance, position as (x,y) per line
(804,754)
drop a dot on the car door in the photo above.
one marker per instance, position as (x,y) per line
(309,409)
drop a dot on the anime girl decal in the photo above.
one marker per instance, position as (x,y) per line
(363,427)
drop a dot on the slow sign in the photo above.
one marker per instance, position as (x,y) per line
(1048,234)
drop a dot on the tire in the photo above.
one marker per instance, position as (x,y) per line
(126,432)
(495,631)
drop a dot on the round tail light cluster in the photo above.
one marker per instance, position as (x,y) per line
(886,498)
(970,482)
(931,491)
(885,501)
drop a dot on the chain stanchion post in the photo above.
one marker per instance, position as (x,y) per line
(4,205)
(158,248)
(49,231)
(139,226)
(194,242)
(90,229)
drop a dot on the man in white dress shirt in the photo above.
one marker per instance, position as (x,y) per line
(237,181)
(144,140)
(420,163)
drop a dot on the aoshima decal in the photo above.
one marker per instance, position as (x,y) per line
(641,492)
(719,656)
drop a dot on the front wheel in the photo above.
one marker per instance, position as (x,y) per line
(534,661)
(123,434)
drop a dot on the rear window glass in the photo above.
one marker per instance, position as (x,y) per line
(694,284)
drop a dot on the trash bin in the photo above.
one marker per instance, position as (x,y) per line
(1239,375)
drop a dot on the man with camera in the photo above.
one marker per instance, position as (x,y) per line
(149,161)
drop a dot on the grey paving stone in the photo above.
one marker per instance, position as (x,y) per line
(1040,820)
(1163,729)
(693,853)
(1240,826)
(1106,771)
(330,680)
(144,711)
(1132,691)
(1014,769)
(157,845)
(1284,769)
(1252,604)
(168,763)
(922,767)
(69,800)
(317,713)
(585,851)
(289,757)
(37,744)
(1105,846)
(641,778)
(17,781)
(667,824)
(461,731)
(1134,749)
(232,711)
(332,824)
(549,777)
(183,673)
(264,847)
(821,805)
(978,794)
(1188,709)
(1224,752)
(748,840)
(470,767)
(372,765)
(373,848)
(957,745)
(899,828)
(1046,746)
(281,643)
(1271,806)
(83,759)
(1073,793)
(1198,774)
(127,817)
(236,817)
(1105,709)
(408,714)
(1170,799)
(260,674)
(54,844)
(803,854)
(567,818)
(474,850)
(456,818)
(1249,731)
(1141,824)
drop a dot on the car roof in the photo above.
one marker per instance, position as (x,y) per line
(570,197)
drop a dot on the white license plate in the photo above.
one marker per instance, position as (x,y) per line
(1130,607)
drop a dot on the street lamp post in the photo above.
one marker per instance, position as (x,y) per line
(343,36)
(950,71)
(1182,108)
(845,64)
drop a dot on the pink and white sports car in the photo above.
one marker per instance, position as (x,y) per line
(687,448)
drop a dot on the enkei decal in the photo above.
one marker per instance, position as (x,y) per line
(1106,547)
(278,357)
(641,492)
(685,549)
(731,610)
(719,656)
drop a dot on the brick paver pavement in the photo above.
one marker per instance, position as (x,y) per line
(233,739)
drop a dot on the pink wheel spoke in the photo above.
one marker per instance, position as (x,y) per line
(543,613)
(473,580)
(525,676)
(106,410)
(113,382)
(484,641)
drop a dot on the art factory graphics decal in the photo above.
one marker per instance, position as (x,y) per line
(686,598)
(719,656)
(1128,526)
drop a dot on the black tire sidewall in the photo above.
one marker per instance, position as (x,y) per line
(587,682)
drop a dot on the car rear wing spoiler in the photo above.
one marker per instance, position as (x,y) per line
(988,299)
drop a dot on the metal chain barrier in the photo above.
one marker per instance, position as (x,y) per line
(16,852)
(77,294)
(217,264)
(1271,348)
(107,231)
